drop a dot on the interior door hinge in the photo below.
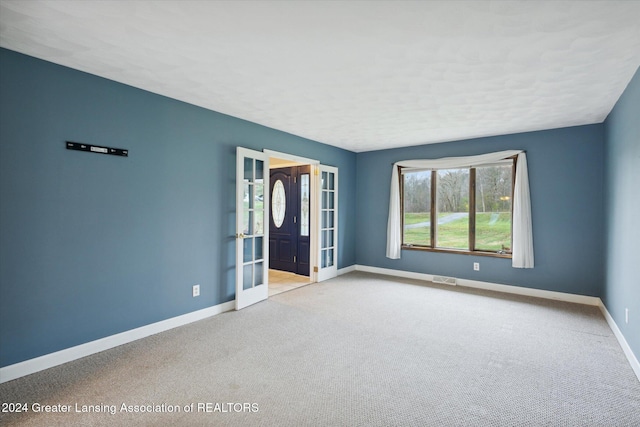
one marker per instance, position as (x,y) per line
(315,269)
(316,172)
(295,179)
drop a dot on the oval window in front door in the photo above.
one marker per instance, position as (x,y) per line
(278,203)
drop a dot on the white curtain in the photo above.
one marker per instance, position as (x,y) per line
(522,251)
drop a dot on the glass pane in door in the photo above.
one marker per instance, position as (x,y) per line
(248,169)
(258,243)
(304,204)
(247,244)
(247,276)
(253,223)
(329,257)
(258,279)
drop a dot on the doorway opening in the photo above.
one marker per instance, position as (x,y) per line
(290,228)
(253,213)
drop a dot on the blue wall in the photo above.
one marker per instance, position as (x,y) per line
(94,245)
(622,201)
(565,174)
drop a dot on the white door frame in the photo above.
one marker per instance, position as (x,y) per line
(314,209)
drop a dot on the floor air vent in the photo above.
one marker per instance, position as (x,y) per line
(444,280)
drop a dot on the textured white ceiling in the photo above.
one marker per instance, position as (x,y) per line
(362,75)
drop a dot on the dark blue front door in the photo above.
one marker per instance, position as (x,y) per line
(289,219)
(282,238)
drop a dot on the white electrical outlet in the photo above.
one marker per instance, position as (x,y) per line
(476,266)
(626,315)
(196,290)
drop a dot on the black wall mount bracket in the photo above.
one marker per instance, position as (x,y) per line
(97,149)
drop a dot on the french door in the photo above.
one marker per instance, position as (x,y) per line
(252,227)
(327,243)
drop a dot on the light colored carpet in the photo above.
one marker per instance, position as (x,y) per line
(359,350)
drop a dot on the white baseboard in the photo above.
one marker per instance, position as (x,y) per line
(510,289)
(558,296)
(633,361)
(31,366)
(530,292)
(395,273)
(346,270)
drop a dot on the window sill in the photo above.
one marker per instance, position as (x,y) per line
(455,251)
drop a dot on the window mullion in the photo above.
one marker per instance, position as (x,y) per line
(434,218)
(472,209)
